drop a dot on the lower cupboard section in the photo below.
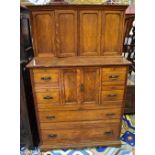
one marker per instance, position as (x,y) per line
(81,132)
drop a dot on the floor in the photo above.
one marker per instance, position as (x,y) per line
(127,137)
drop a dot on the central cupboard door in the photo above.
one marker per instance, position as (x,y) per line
(66,33)
(90,29)
(81,86)
(70,84)
(90,85)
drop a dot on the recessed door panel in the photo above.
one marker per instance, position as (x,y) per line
(112,32)
(43,33)
(66,33)
(90,32)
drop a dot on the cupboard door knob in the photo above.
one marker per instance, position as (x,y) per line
(57,40)
(113,77)
(46,78)
(112,95)
(50,117)
(110,114)
(108,133)
(48,97)
(52,135)
(82,88)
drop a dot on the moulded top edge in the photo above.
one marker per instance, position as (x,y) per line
(77,62)
(66,5)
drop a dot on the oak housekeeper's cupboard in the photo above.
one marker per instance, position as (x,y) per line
(78,74)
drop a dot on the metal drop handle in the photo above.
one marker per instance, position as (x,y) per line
(114,77)
(50,117)
(108,133)
(52,135)
(46,78)
(48,97)
(112,95)
(110,114)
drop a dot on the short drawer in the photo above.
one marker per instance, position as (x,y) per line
(113,78)
(45,76)
(114,87)
(84,133)
(80,115)
(48,97)
(112,95)
(114,69)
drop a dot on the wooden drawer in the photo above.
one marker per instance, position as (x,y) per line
(59,107)
(81,133)
(48,97)
(114,69)
(114,87)
(46,76)
(80,115)
(113,78)
(112,95)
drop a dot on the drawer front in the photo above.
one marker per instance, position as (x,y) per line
(80,115)
(81,134)
(58,107)
(114,69)
(46,76)
(112,95)
(114,87)
(48,97)
(113,77)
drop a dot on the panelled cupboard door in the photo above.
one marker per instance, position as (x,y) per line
(112,32)
(70,79)
(43,33)
(90,29)
(90,85)
(66,33)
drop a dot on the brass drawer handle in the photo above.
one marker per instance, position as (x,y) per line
(50,117)
(52,135)
(110,114)
(113,77)
(48,97)
(108,133)
(46,78)
(112,95)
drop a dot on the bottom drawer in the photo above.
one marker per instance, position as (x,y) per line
(104,132)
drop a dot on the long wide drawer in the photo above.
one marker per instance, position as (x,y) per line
(80,115)
(82,133)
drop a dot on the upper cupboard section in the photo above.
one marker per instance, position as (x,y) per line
(77,32)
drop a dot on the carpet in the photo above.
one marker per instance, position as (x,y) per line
(127,148)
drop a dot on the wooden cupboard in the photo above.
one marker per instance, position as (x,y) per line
(77,30)
(76,94)
(78,74)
